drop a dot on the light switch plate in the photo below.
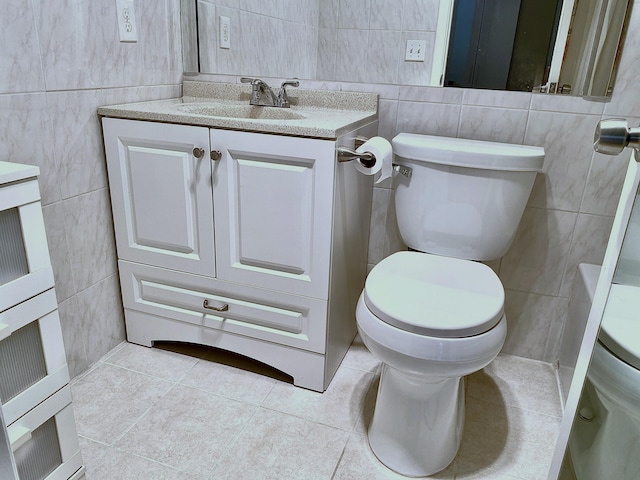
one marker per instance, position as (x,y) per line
(415,50)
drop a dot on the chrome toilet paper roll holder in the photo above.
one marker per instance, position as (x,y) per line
(366,159)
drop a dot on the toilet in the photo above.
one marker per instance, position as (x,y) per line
(605,441)
(434,314)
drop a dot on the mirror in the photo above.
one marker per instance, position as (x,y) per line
(598,437)
(553,46)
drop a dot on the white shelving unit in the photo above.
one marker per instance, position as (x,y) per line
(35,399)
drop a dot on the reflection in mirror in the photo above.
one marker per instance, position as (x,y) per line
(331,40)
(601,427)
(502,44)
(628,268)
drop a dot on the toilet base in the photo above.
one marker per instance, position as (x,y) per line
(417,423)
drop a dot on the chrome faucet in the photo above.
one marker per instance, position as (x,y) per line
(263,96)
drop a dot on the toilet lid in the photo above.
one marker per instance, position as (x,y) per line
(433,295)
(620,329)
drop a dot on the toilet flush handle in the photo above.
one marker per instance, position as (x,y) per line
(613,135)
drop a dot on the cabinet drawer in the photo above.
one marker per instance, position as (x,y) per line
(44,441)
(258,313)
(32,360)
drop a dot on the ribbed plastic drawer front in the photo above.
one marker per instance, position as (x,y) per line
(45,442)
(33,364)
(258,313)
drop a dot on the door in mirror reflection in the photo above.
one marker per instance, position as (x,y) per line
(501,44)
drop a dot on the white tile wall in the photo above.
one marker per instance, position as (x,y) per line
(60,61)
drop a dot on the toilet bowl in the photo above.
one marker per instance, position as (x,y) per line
(605,441)
(435,315)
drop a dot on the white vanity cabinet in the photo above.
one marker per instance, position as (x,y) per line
(258,246)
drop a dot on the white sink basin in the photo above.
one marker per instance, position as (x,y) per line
(239,111)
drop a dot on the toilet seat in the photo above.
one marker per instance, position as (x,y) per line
(620,325)
(435,296)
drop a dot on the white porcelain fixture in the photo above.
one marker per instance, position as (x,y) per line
(434,317)
(605,443)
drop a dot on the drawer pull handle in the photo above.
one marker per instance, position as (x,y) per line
(5,331)
(18,436)
(223,308)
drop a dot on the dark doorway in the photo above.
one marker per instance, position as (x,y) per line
(501,44)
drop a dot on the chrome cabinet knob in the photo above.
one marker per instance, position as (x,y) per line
(198,152)
(216,155)
(613,135)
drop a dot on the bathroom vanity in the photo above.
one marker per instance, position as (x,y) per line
(236,226)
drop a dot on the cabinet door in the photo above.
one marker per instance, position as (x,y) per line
(273,200)
(161,194)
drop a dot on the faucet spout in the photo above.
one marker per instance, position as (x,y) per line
(263,96)
(261,93)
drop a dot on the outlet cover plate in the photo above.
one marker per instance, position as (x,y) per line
(126,21)
(225,32)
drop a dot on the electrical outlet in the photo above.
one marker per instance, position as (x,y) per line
(126,21)
(225,32)
(415,50)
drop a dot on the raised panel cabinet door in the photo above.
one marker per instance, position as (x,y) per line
(160,181)
(273,198)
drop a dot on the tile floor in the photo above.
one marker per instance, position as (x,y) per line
(185,412)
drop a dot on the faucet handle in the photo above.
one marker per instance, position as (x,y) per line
(249,80)
(290,83)
(283,99)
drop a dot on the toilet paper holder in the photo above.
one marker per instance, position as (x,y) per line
(346,154)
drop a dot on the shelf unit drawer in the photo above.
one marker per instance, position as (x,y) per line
(32,359)
(239,309)
(45,442)
(25,267)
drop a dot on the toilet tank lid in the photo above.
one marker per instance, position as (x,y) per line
(468,153)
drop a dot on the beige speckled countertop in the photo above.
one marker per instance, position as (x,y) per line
(313,113)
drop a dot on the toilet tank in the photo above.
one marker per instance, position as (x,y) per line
(464,198)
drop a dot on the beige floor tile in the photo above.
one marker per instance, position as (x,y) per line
(359,358)
(468,471)
(229,381)
(341,405)
(359,462)
(368,406)
(190,432)
(109,399)
(507,440)
(152,361)
(188,429)
(519,382)
(282,447)
(108,463)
